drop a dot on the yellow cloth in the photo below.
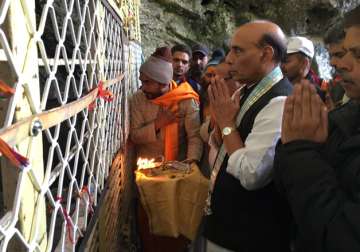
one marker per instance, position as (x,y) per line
(174,205)
(171,100)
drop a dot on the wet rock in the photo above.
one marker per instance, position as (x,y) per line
(211,22)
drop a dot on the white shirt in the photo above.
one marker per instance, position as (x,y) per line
(253,163)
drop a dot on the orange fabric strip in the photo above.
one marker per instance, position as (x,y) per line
(5,90)
(15,158)
(171,100)
(103,93)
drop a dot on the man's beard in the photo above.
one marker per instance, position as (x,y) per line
(151,96)
(179,76)
(179,72)
(196,74)
(197,68)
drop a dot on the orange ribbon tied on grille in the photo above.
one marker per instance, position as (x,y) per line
(5,90)
(103,93)
(14,157)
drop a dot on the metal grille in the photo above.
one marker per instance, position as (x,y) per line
(66,47)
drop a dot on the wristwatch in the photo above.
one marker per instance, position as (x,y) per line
(227,131)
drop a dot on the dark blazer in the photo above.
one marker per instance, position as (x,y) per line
(322,184)
(251,221)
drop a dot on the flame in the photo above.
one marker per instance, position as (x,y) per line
(144,163)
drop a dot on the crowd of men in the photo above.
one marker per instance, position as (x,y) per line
(280,145)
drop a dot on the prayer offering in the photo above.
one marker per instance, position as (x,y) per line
(173,195)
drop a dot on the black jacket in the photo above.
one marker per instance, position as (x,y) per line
(322,185)
(243,220)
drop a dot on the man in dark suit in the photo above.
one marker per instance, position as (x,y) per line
(318,162)
(244,210)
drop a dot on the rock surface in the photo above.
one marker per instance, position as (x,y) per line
(211,22)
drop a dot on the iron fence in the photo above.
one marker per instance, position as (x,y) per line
(62,57)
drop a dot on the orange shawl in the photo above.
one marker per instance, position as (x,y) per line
(171,100)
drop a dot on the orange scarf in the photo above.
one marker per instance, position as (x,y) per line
(171,100)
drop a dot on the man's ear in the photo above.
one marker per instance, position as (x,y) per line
(268,54)
(306,66)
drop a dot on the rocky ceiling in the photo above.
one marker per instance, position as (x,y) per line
(166,22)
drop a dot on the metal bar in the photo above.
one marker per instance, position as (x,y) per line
(20,130)
(94,218)
(79,43)
(112,11)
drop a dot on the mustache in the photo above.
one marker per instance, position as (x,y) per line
(344,75)
(231,73)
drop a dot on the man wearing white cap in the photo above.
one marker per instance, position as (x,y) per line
(300,52)
(297,64)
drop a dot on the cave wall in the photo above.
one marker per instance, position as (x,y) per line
(211,22)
